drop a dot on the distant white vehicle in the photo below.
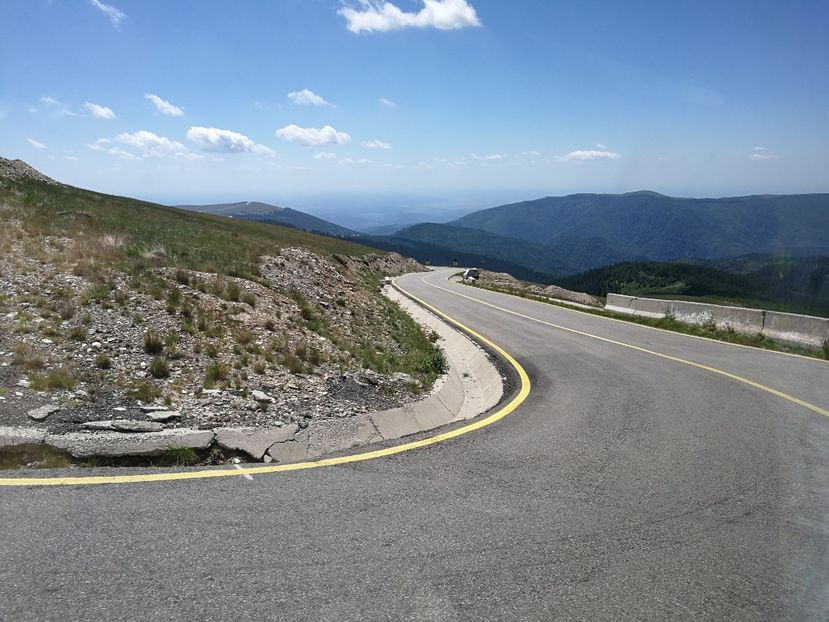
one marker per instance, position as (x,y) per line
(471,274)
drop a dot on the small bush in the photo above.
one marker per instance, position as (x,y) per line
(243,336)
(182,278)
(159,367)
(260,367)
(232,292)
(301,351)
(102,361)
(95,293)
(78,333)
(270,325)
(212,350)
(214,373)
(26,357)
(153,343)
(57,379)
(293,363)
(144,392)
(249,299)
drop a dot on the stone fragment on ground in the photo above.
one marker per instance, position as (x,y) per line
(123,425)
(162,416)
(39,414)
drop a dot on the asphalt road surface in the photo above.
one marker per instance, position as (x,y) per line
(627,486)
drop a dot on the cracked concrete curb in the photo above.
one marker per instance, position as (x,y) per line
(471,386)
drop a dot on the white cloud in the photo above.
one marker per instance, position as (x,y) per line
(226,141)
(163,106)
(761,153)
(325,155)
(151,145)
(590,154)
(313,137)
(601,146)
(99,112)
(116,16)
(387,103)
(71,158)
(383,16)
(375,144)
(364,161)
(189,156)
(117,152)
(35,144)
(307,98)
(535,154)
(487,158)
(58,108)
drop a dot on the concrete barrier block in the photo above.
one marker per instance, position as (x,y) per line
(14,436)
(83,445)
(794,328)
(254,441)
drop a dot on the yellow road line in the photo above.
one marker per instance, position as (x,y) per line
(676,359)
(300,466)
(565,307)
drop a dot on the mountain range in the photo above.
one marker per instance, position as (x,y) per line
(283,216)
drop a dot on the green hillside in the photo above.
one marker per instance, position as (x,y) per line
(168,236)
(264,212)
(657,227)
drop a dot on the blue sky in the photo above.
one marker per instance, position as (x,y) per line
(442,103)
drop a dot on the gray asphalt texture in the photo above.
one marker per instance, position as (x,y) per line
(626,487)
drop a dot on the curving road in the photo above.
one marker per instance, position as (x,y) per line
(648,475)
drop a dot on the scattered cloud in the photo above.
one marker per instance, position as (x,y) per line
(533,153)
(375,144)
(117,152)
(71,158)
(364,161)
(313,137)
(116,16)
(486,158)
(35,144)
(601,146)
(55,106)
(189,156)
(761,153)
(387,103)
(151,145)
(99,112)
(376,16)
(163,106)
(590,154)
(225,141)
(325,155)
(306,97)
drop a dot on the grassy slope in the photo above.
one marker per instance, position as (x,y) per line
(156,235)
(183,238)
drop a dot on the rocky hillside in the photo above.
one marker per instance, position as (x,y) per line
(501,281)
(113,309)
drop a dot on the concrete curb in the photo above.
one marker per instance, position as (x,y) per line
(471,386)
(785,327)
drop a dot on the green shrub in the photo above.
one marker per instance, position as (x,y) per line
(153,343)
(26,357)
(102,361)
(77,333)
(179,457)
(232,292)
(243,336)
(159,367)
(57,379)
(144,392)
(214,373)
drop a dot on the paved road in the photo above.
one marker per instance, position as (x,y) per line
(627,486)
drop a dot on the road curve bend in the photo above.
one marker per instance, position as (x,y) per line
(648,475)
